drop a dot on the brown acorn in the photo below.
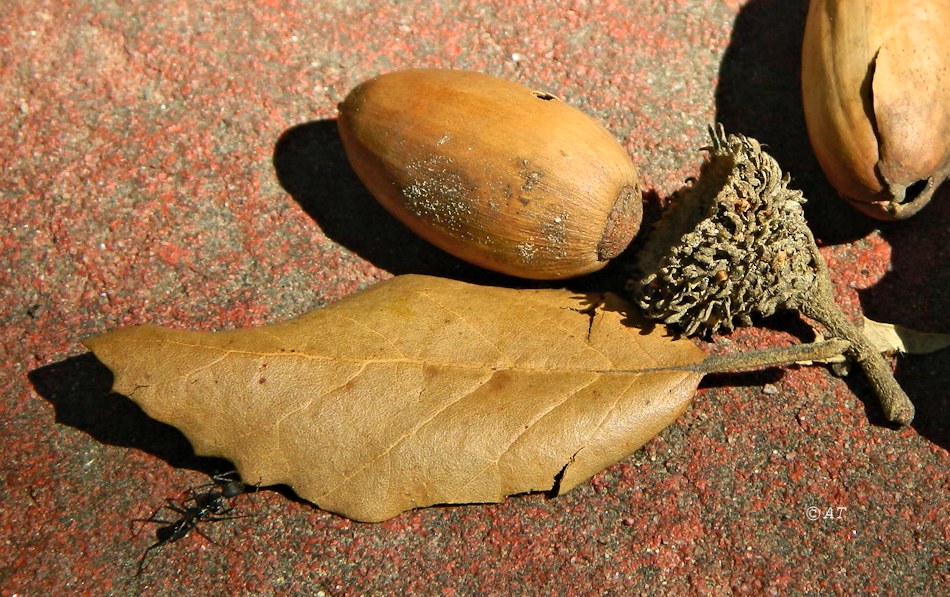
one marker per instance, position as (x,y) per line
(876,95)
(507,178)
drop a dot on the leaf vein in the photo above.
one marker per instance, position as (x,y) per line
(405,436)
(531,425)
(446,365)
(470,326)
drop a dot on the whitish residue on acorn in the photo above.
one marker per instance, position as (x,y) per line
(493,172)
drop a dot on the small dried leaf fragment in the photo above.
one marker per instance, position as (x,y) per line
(891,338)
(417,391)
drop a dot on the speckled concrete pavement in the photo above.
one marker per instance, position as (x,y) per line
(177,163)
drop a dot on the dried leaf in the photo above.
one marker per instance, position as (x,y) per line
(891,338)
(418,391)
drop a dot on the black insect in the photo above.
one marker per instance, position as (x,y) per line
(210,505)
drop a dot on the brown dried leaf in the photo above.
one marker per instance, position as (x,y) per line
(418,391)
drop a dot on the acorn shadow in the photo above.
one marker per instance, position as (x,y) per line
(759,95)
(312,167)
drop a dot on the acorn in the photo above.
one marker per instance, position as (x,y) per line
(876,96)
(495,173)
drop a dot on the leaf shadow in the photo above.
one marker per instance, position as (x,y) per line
(759,95)
(312,167)
(79,389)
(746,379)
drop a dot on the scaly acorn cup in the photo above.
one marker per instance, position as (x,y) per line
(876,97)
(735,245)
(500,175)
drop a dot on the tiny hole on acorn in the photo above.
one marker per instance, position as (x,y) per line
(914,190)
(544,96)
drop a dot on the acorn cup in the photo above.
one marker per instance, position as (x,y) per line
(876,97)
(735,245)
(497,174)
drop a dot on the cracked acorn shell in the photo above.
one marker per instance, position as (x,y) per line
(876,95)
(507,178)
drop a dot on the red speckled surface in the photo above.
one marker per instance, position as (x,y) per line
(176,163)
